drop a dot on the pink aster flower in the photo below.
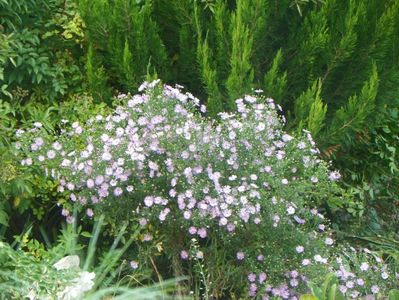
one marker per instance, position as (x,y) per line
(202,233)
(299,249)
(192,230)
(251,277)
(184,254)
(240,255)
(89,212)
(134,264)
(262,277)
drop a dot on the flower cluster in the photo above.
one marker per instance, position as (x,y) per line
(241,180)
(362,272)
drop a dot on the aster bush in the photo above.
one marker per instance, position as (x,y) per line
(224,201)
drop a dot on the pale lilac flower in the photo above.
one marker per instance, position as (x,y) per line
(343,289)
(230,227)
(184,254)
(262,277)
(294,282)
(192,230)
(364,266)
(299,220)
(329,241)
(261,126)
(251,277)
(287,137)
(375,289)
(268,169)
(360,282)
(51,154)
(19,132)
(99,180)
(78,130)
(106,156)
(200,255)
(384,275)
(147,237)
(134,264)
(90,183)
(89,212)
(350,284)
(57,146)
(299,249)
(148,201)
(334,176)
(187,214)
(202,233)
(252,290)
(118,191)
(240,255)
(305,262)
(66,163)
(142,222)
(355,294)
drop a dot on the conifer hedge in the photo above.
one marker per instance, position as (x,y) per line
(332,65)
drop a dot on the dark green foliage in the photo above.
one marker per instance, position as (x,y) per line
(41,46)
(96,79)
(275,81)
(124,39)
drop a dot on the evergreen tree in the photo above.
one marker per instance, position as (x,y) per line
(333,65)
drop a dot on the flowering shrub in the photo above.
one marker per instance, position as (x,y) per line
(226,201)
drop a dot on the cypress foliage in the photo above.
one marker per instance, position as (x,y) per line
(310,111)
(96,79)
(241,73)
(207,72)
(329,67)
(127,39)
(353,117)
(275,81)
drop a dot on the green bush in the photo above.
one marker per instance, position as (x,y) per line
(223,202)
(43,48)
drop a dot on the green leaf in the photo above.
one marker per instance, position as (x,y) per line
(316,291)
(3,217)
(86,234)
(393,295)
(308,297)
(39,77)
